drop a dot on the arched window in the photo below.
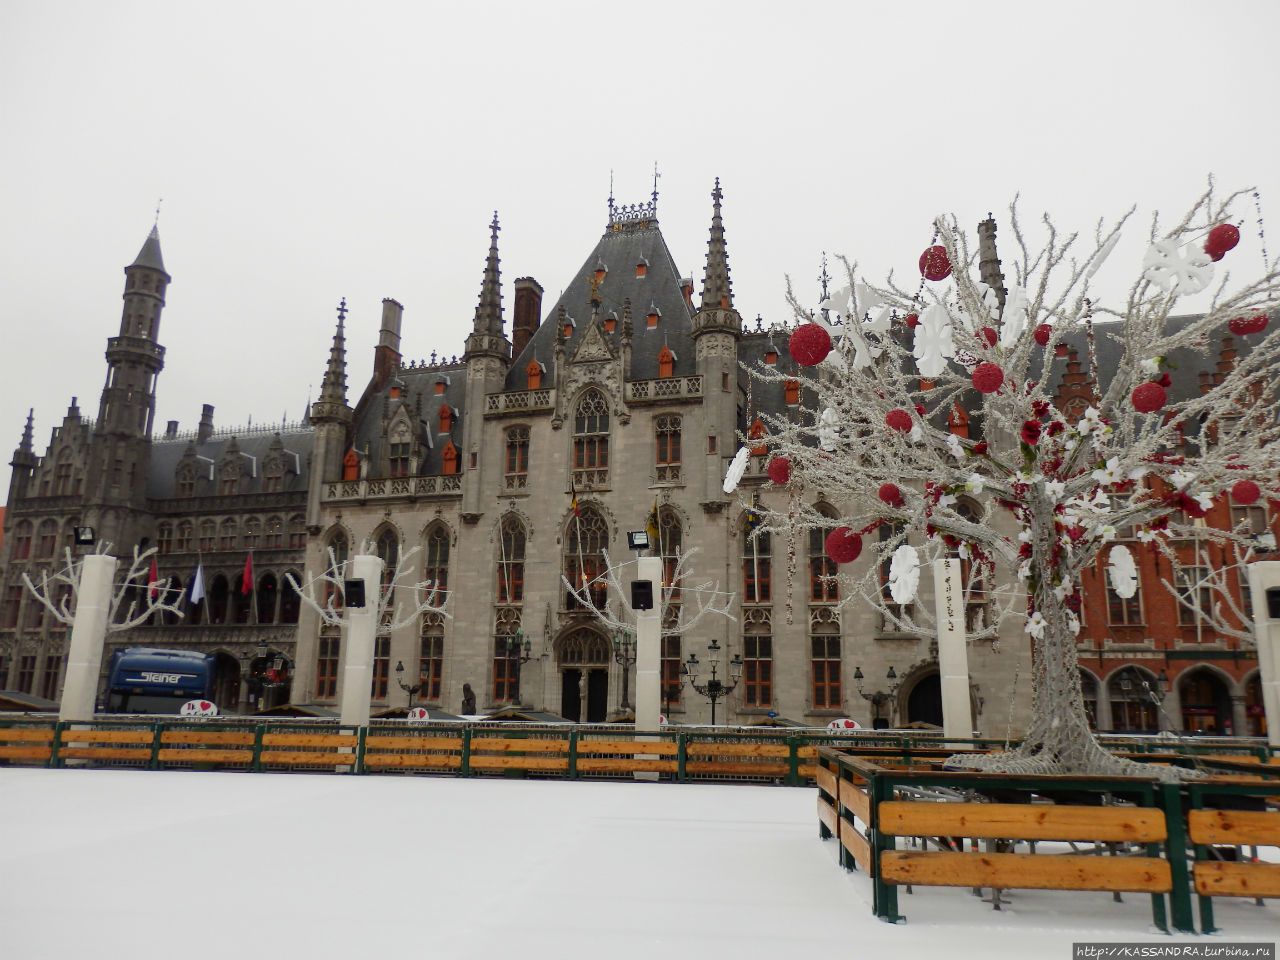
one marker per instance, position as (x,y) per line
(436,572)
(48,539)
(387,546)
(670,543)
(337,550)
(208,535)
(186,531)
(289,601)
(297,531)
(275,533)
(587,539)
(252,533)
(227,535)
(591,440)
(667,455)
(241,602)
(267,595)
(511,560)
(756,556)
(517,457)
(218,600)
(666,361)
(1132,709)
(822,569)
(186,478)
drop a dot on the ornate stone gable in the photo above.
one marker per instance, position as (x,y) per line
(593,346)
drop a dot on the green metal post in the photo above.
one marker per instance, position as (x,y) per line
(1176,851)
(465,769)
(154,762)
(885,895)
(682,754)
(573,754)
(361,733)
(1195,801)
(55,757)
(258,731)
(793,762)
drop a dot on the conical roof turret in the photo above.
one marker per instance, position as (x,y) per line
(149,255)
(332,404)
(489,309)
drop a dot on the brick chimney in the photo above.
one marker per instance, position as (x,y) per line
(528,313)
(205,430)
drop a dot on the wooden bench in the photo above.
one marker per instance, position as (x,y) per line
(602,756)
(1236,828)
(412,752)
(340,749)
(26,743)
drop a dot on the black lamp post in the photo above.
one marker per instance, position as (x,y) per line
(878,698)
(518,651)
(410,688)
(624,653)
(714,689)
(272,671)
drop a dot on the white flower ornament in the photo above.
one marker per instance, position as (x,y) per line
(1172,270)
(904,574)
(1122,572)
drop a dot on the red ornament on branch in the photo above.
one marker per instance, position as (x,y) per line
(912,321)
(1221,238)
(1245,492)
(1149,397)
(989,335)
(987,377)
(1042,334)
(1243,326)
(779,470)
(1031,432)
(810,344)
(891,495)
(898,419)
(843,545)
(934,264)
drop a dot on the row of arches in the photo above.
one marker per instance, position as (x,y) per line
(1202,699)
(232,533)
(270,601)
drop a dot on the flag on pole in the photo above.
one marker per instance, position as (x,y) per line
(246,581)
(197,584)
(573,497)
(651,523)
(153,581)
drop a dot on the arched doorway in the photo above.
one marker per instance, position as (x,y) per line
(924,702)
(1206,704)
(583,658)
(226,682)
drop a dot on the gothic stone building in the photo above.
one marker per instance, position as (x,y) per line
(515,467)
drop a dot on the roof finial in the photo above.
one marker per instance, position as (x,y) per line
(610,194)
(716,288)
(156,223)
(656,175)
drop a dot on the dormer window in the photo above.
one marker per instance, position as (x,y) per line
(791,391)
(642,268)
(449,458)
(666,361)
(399,459)
(446,419)
(757,434)
(534,373)
(395,392)
(771,357)
(351,465)
(610,323)
(438,389)
(651,320)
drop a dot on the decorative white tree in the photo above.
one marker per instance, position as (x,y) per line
(888,370)
(330,584)
(133,602)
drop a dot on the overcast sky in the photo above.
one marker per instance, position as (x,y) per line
(312,151)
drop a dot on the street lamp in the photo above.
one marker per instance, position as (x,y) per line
(518,651)
(878,698)
(714,689)
(269,670)
(624,653)
(409,688)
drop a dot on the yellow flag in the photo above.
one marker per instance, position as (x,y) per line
(651,524)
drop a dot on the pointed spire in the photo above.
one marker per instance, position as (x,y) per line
(489,309)
(25,456)
(717,291)
(334,387)
(26,445)
(149,255)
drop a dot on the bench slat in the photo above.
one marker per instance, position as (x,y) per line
(185,755)
(827,815)
(855,799)
(226,738)
(26,753)
(623,765)
(504,762)
(1026,871)
(435,761)
(413,743)
(662,748)
(26,735)
(859,848)
(1033,821)
(308,740)
(108,736)
(1215,878)
(503,745)
(290,757)
(1234,827)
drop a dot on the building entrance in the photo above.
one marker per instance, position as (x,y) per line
(594,686)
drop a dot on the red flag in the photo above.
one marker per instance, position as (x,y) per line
(153,581)
(246,582)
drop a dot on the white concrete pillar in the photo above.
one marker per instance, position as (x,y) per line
(648,696)
(953,657)
(357,643)
(1264,575)
(88,635)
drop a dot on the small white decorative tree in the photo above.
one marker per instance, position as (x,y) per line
(891,365)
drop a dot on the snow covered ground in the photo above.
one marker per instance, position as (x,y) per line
(141,865)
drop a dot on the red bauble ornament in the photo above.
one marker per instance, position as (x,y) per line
(1042,334)
(843,545)
(912,321)
(891,495)
(810,344)
(1149,397)
(1243,326)
(989,335)
(1031,432)
(898,419)
(987,377)
(779,470)
(1221,238)
(934,264)
(1245,492)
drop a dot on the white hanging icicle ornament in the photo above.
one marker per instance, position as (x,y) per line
(737,467)
(1014,319)
(904,574)
(1122,571)
(933,346)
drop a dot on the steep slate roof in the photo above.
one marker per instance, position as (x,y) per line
(624,245)
(415,382)
(166,454)
(149,255)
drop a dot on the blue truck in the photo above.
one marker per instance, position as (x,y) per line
(151,680)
